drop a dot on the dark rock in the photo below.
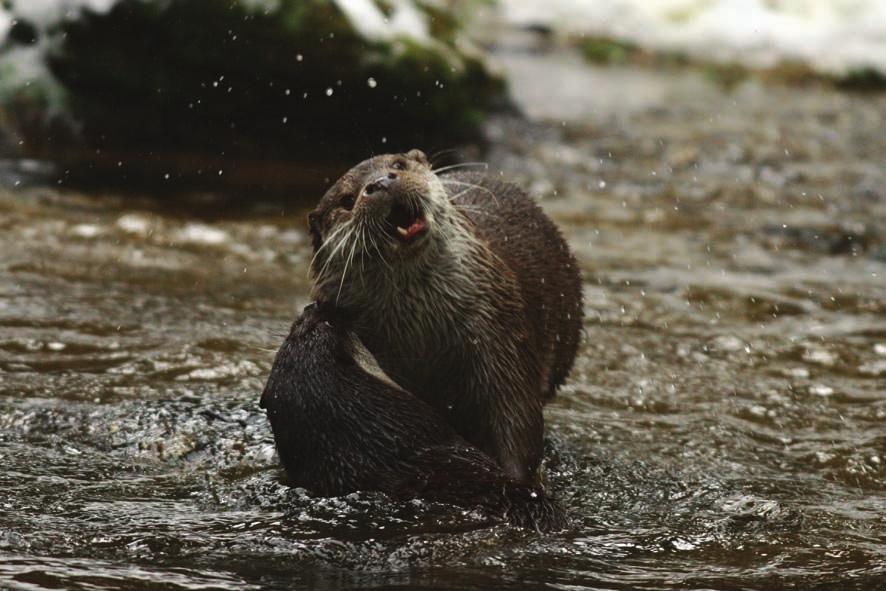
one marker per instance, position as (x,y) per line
(187,89)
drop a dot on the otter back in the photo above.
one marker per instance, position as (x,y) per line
(528,242)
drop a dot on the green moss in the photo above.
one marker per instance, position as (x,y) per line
(607,51)
(386,7)
(674,59)
(726,75)
(863,79)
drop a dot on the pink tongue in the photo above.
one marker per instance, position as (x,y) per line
(416,227)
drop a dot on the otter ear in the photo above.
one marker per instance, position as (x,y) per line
(417,155)
(314,228)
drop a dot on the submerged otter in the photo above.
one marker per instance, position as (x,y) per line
(342,425)
(461,288)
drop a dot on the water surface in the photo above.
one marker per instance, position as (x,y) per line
(724,427)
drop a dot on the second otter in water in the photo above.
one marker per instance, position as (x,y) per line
(341,425)
(461,288)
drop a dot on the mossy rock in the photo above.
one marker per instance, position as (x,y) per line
(863,79)
(605,51)
(229,79)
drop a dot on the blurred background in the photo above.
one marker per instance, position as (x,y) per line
(139,92)
(717,166)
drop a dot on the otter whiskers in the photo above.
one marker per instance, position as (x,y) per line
(437,171)
(347,232)
(470,186)
(329,240)
(344,273)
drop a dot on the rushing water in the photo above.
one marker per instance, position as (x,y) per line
(724,427)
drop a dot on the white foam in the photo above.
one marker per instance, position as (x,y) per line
(370,22)
(23,66)
(44,13)
(405,19)
(830,36)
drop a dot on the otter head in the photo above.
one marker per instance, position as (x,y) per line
(385,212)
(322,333)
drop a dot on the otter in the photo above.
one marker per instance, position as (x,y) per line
(341,425)
(462,289)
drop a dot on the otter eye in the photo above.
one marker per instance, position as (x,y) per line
(399,165)
(347,202)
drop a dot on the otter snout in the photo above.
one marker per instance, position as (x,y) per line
(379,195)
(382,183)
(387,199)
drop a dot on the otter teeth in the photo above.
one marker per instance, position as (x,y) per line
(403,231)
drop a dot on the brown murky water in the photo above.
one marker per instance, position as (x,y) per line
(724,428)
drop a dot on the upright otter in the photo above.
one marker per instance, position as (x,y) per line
(341,425)
(462,289)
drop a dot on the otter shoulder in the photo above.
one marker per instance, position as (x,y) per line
(478,193)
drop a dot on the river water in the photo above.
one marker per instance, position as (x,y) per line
(724,426)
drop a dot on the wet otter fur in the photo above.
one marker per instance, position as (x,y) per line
(341,425)
(463,290)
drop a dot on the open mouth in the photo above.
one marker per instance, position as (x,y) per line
(406,222)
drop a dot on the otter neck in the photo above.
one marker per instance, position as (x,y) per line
(410,312)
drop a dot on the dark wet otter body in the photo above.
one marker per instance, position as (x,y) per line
(462,289)
(341,426)
(529,243)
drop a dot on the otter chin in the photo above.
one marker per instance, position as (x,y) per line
(406,222)
(461,288)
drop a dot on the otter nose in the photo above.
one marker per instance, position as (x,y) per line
(382,183)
